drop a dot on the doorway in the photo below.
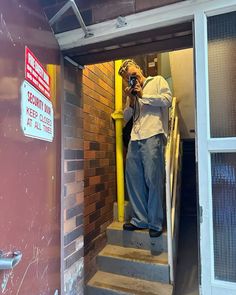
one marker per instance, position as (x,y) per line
(171,65)
(207,144)
(177,67)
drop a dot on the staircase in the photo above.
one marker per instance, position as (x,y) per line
(131,263)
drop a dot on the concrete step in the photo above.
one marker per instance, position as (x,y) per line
(135,239)
(104,283)
(133,262)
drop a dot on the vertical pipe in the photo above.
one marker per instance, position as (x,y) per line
(118,87)
(118,117)
(52,71)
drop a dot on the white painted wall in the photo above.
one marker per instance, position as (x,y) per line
(182,71)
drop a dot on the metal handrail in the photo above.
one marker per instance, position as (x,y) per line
(172,160)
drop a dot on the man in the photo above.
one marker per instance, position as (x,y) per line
(148,100)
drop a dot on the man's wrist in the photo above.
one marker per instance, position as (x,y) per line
(131,101)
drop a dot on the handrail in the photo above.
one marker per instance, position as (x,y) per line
(173,150)
(174,195)
(168,215)
(172,160)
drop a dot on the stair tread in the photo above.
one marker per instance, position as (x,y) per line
(115,225)
(134,254)
(135,239)
(127,285)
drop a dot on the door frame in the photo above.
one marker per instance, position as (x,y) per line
(205,146)
(196,11)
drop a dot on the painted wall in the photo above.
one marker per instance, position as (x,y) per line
(182,71)
(30,192)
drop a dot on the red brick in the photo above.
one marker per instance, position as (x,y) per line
(89,154)
(94,180)
(88,228)
(89,209)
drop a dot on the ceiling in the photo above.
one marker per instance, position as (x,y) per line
(158,40)
(169,38)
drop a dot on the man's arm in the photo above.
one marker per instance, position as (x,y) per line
(161,97)
(128,111)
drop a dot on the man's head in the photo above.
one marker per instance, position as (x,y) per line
(130,68)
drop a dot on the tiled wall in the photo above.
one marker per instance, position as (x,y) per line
(99,158)
(73,181)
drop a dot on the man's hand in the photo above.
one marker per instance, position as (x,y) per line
(138,89)
(129,92)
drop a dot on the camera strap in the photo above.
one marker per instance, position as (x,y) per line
(136,113)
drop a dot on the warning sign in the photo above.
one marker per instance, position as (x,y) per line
(36,74)
(37,119)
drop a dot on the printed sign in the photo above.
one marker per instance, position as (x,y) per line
(37,118)
(36,74)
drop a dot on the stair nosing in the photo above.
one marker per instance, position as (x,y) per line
(143,231)
(101,254)
(107,287)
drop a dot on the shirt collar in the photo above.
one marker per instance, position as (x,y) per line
(147,80)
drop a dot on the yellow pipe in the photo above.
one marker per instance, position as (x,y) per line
(118,117)
(51,69)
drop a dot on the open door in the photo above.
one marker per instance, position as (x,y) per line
(215,48)
(30,173)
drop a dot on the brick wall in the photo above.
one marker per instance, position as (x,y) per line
(89,169)
(73,181)
(99,158)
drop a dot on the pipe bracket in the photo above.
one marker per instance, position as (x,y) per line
(117,115)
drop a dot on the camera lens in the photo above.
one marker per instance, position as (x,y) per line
(132,81)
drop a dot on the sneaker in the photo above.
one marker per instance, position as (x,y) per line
(154,233)
(129,226)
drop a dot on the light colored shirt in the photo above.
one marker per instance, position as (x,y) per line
(152,109)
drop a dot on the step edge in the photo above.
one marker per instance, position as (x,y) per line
(144,232)
(157,264)
(114,291)
(140,250)
(170,286)
(137,250)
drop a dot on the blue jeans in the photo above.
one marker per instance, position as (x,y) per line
(145,174)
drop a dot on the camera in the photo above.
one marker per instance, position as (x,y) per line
(132,81)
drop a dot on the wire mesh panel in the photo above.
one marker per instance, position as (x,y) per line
(222,74)
(223,167)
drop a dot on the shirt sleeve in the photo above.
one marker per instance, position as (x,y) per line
(128,111)
(161,96)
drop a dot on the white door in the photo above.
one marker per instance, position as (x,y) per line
(215,62)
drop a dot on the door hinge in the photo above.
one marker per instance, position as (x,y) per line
(201,214)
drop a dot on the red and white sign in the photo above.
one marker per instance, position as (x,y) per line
(36,74)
